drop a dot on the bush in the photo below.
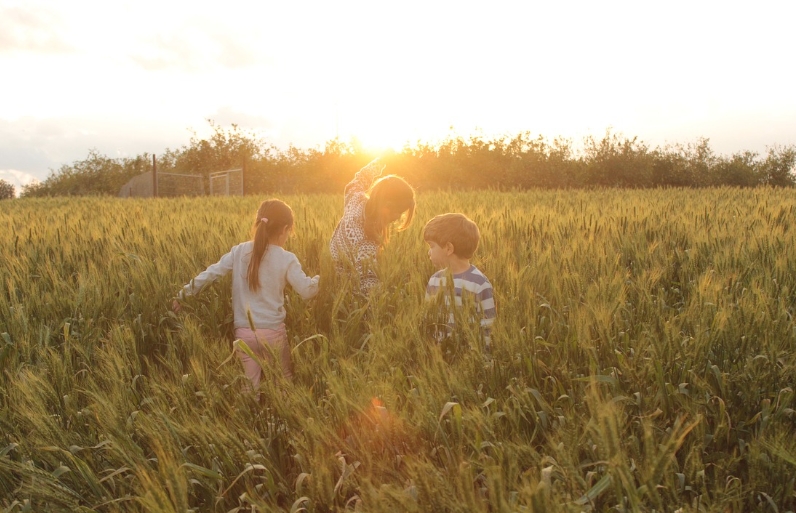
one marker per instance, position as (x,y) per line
(96,175)
(779,166)
(6,190)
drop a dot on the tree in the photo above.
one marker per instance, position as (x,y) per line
(225,148)
(740,170)
(616,161)
(94,175)
(779,166)
(6,190)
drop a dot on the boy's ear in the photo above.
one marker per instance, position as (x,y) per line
(449,249)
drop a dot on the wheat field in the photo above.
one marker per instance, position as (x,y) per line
(643,360)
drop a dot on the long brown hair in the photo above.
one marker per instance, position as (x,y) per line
(279,215)
(393,193)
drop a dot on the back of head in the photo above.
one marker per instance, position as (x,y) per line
(393,195)
(457,229)
(271,219)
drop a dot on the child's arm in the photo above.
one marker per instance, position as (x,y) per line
(305,286)
(209,275)
(364,179)
(486,303)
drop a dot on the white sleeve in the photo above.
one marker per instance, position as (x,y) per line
(209,275)
(305,286)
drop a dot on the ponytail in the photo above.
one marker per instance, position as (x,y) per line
(271,219)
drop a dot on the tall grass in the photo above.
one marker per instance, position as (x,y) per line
(643,360)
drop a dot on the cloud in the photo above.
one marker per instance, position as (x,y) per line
(229,116)
(18,179)
(200,46)
(31,29)
(37,147)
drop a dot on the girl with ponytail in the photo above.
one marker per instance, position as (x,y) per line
(261,268)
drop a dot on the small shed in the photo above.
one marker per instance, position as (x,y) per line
(138,187)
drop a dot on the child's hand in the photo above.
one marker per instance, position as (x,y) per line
(176,306)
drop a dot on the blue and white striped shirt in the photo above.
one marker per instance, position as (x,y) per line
(471,281)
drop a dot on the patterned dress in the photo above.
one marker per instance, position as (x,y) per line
(349,245)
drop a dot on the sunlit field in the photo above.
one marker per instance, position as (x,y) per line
(644,359)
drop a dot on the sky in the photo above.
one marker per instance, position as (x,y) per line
(125,78)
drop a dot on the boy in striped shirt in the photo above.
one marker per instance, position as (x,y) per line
(452,239)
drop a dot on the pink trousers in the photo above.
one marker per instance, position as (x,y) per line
(264,343)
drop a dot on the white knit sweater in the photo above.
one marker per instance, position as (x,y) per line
(267,306)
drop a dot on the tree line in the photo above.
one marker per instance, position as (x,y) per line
(519,162)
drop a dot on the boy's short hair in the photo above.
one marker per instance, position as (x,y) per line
(457,229)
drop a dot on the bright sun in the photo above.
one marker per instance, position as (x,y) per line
(377,143)
(377,138)
(378,128)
